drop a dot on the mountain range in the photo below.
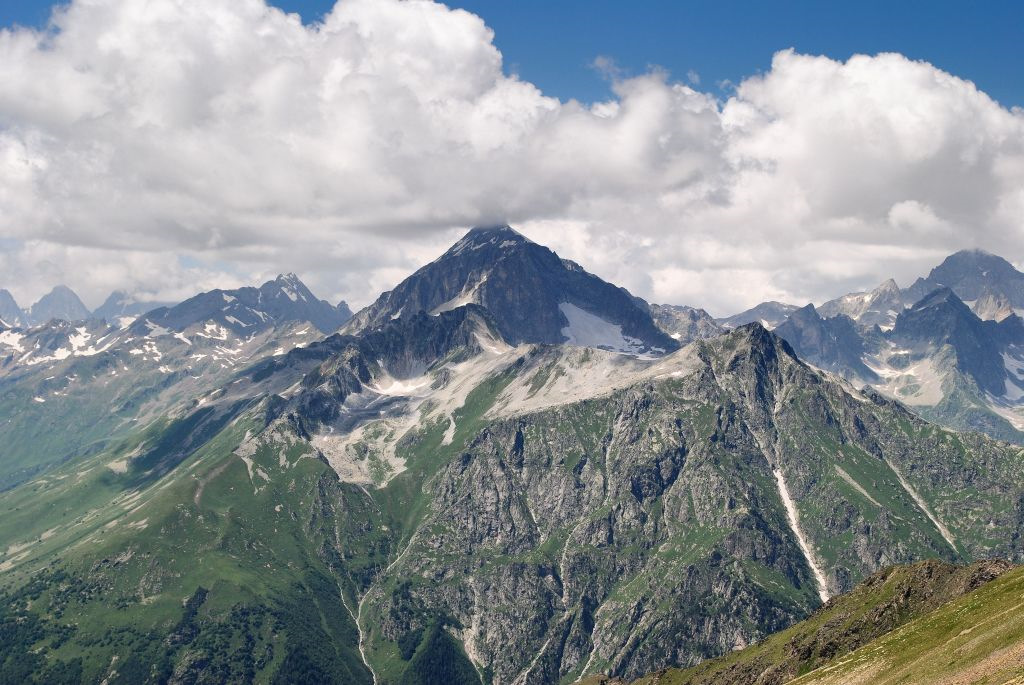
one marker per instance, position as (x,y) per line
(120,308)
(69,388)
(951,345)
(504,470)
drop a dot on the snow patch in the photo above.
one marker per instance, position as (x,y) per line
(401,388)
(12,339)
(919,384)
(588,330)
(794,522)
(1015,369)
(467,296)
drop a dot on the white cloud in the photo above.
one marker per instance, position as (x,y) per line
(228,134)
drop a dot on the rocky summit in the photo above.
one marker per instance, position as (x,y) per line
(957,361)
(534,296)
(504,470)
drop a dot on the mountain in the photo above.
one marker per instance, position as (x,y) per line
(250,310)
(832,344)
(120,308)
(69,389)
(879,307)
(973,274)
(906,615)
(942,319)
(533,295)
(10,313)
(685,324)
(955,362)
(427,496)
(992,307)
(425,501)
(768,314)
(344,310)
(60,303)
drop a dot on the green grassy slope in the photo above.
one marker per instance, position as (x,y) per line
(222,568)
(925,623)
(978,638)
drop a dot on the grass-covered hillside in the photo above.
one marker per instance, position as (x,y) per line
(929,622)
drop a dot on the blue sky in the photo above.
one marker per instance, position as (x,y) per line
(553,44)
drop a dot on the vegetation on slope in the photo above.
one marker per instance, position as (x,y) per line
(905,624)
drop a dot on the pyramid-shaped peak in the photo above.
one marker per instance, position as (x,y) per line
(808,311)
(533,295)
(939,296)
(62,291)
(287,285)
(493,237)
(888,286)
(60,303)
(754,339)
(497,231)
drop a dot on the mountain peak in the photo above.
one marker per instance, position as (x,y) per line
(889,286)
(250,310)
(499,230)
(495,237)
(940,296)
(533,295)
(10,312)
(60,303)
(289,278)
(808,310)
(973,264)
(289,285)
(121,306)
(769,314)
(753,341)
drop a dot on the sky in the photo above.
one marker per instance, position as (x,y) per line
(712,154)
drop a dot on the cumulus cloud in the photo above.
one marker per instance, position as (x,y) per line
(171,144)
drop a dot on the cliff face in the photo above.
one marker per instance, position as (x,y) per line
(650,526)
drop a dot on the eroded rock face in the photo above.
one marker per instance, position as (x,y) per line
(646,528)
(685,324)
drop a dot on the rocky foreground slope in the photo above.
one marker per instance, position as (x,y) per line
(925,623)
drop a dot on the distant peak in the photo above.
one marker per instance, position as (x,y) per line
(974,252)
(286,282)
(939,296)
(499,237)
(888,286)
(807,311)
(490,231)
(968,259)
